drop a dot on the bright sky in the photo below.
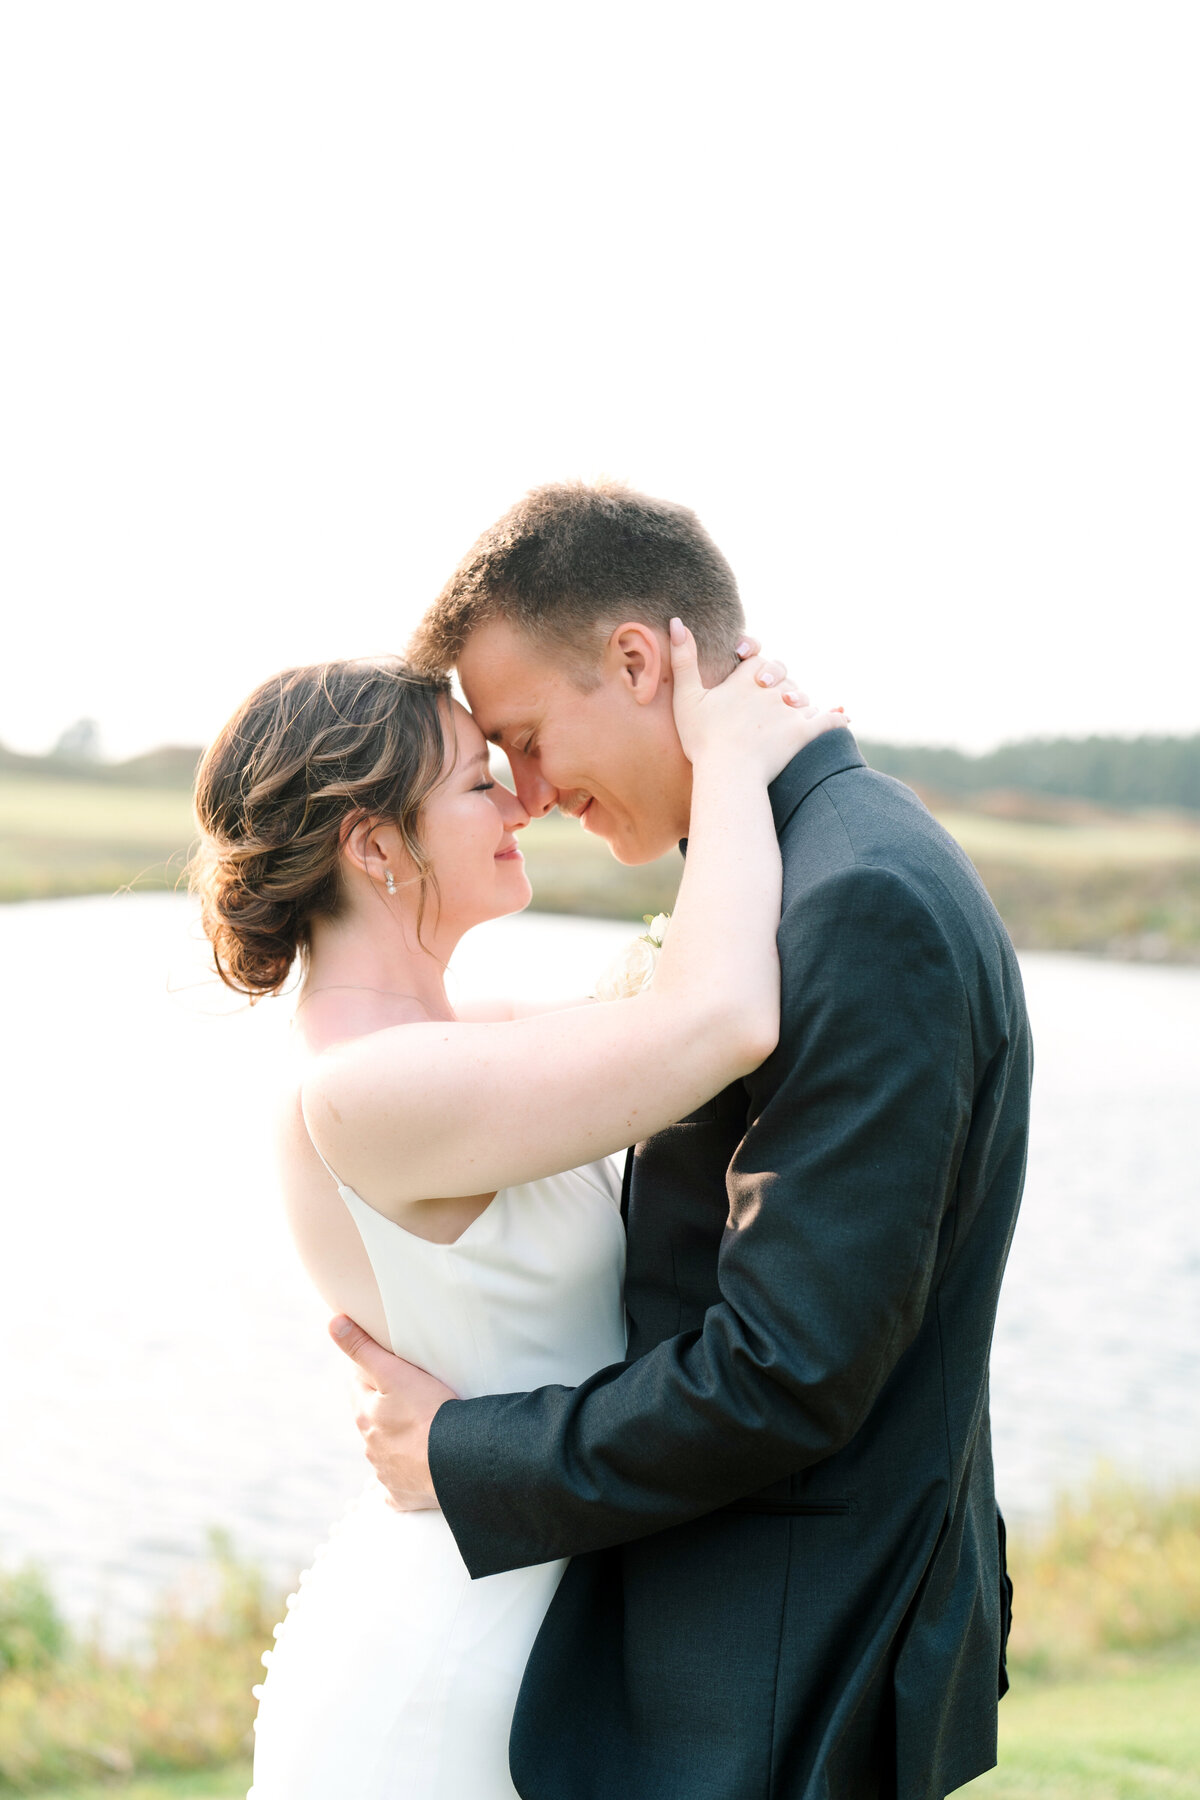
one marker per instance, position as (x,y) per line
(903,299)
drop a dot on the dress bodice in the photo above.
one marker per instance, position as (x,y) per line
(529,1294)
(395,1672)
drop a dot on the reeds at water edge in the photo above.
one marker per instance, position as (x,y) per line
(1110,1588)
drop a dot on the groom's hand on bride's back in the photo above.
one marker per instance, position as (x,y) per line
(396,1405)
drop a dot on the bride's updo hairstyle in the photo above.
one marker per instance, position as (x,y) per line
(309,749)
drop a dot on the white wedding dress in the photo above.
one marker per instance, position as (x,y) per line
(395,1675)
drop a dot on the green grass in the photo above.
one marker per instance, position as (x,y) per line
(1117,842)
(1145,912)
(73,1713)
(1128,1736)
(62,837)
(94,812)
(1105,1652)
(211,1784)
(1134,1736)
(1116,1574)
(572,872)
(1114,885)
(1105,1663)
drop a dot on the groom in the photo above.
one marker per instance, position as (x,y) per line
(788,1571)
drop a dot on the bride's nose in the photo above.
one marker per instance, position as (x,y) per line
(511,810)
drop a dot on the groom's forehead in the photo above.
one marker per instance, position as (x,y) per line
(498,711)
(504,697)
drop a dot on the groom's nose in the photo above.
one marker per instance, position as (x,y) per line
(537,795)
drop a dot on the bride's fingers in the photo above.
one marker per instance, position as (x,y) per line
(746,648)
(685,662)
(837,715)
(770,674)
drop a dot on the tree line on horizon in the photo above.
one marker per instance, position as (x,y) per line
(1109,771)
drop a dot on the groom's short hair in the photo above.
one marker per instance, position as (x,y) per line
(572,560)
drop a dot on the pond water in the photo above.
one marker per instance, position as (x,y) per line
(164,1362)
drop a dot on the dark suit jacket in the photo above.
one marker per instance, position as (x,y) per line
(788,1580)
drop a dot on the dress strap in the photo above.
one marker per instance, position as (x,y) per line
(332,1173)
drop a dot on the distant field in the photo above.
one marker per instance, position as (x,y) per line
(85,837)
(1136,839)
(572,872)
(82,837)
(1120,885)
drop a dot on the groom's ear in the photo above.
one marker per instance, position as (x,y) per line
(639,661)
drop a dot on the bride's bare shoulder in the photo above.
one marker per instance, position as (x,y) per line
(336,1016)
(330,1022)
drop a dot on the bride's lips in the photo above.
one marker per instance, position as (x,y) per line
(512,854)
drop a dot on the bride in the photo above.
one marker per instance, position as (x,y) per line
(446,1170)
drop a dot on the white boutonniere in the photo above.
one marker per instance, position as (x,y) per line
(634,968)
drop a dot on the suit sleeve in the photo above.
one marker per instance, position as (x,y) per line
(837,1193)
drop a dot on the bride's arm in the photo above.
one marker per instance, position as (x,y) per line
(497,1012)
(459,1109)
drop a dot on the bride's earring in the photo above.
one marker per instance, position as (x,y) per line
(389,881)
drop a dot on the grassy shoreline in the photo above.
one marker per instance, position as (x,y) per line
(1104,1657)
(211,1784)
(1130,1737)
(1134,1736)
(1119,885)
